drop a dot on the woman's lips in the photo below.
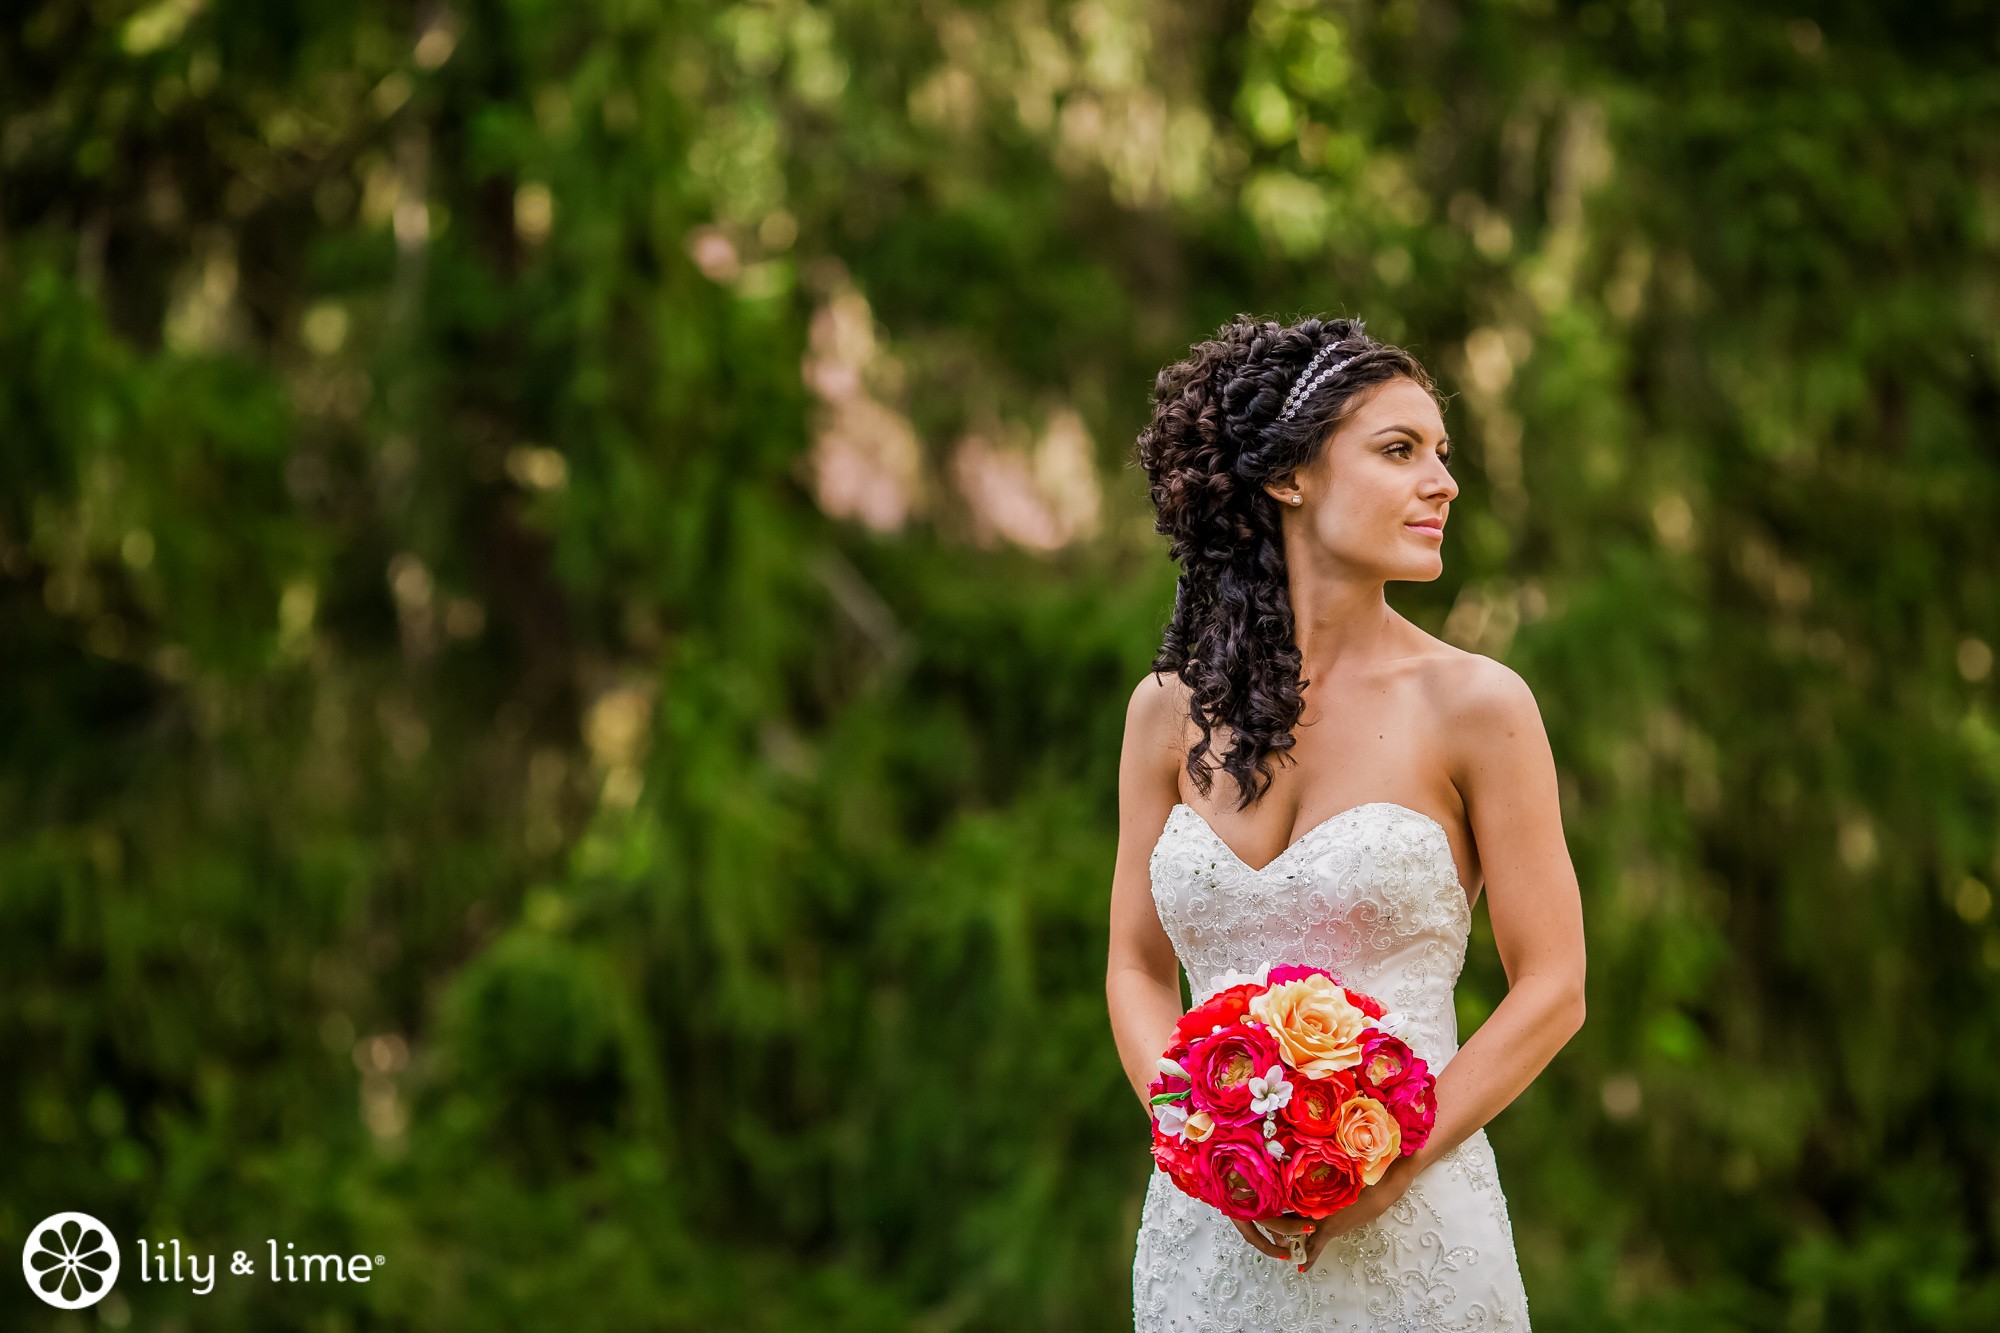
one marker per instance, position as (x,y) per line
(1429,529)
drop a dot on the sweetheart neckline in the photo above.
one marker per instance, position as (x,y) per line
(1300,840)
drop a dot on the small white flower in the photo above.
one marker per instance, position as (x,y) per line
(1261,977)
(1391,1023)
(1172,1118)
(1269,1091)
(1270,1127)
(1173,1069)
(1277,1149)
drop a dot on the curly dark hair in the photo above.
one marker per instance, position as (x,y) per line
(1214,441)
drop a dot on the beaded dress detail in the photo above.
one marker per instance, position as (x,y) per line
(1372,895)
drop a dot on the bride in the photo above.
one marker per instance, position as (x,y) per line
(1308,777)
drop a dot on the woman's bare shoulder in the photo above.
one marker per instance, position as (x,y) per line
(1158,707)
(1157,725)
(1473,695)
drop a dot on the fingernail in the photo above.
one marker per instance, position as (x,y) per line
(1309,1229)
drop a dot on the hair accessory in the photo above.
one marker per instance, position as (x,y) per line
(1302,387)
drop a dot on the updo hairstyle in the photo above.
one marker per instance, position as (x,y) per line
(1214,441)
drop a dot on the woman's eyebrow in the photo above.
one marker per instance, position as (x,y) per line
(1412,432)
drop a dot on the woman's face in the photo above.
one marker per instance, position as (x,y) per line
(1375,499)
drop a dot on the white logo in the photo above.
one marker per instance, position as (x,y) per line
(70,1260)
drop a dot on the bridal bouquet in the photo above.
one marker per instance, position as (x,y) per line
(1285,1093)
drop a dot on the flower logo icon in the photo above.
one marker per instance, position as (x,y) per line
(71,1260)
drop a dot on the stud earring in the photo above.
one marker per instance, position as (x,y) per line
(1296,499)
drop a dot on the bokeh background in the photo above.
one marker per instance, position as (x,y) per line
(569,572)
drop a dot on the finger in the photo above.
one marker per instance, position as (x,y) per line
(1273,1248)
(1339,1224)
(1256,1238)
(1279,1248)
(1293,1235)
(1316,1243)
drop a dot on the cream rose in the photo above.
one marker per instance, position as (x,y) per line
(1369,1134)
(1316,1027)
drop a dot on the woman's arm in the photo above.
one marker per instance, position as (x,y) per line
(1507,776)
(1503,768)
(1142,984)
(1142,975)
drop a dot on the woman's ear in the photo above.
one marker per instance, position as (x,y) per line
(1285,490)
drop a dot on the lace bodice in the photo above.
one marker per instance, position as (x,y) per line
(1371,894)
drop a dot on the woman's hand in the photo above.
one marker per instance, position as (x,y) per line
(1370,1204)
(1286,1227)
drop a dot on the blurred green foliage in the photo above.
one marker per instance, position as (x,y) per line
(560,675)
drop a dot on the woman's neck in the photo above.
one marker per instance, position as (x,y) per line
(1337,620)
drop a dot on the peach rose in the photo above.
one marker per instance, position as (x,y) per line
(1314,1023)
(1370,1135)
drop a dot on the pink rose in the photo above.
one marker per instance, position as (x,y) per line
(1222,1067)
(1385,1060)
(1239,1176)
(1414,1104)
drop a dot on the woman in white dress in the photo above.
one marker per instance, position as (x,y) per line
(1308,777)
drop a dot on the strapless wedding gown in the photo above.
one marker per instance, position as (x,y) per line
(1372,895)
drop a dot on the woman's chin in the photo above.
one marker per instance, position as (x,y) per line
(1417,571)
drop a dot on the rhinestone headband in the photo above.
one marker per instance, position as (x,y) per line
(1304,387)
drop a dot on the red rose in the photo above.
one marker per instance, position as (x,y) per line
(1222,1067)
(1315,1105)
(1181,1162)
(1320,1179)
(1367,1004)
(1220,1010)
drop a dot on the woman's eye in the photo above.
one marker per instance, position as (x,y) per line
(1406,449)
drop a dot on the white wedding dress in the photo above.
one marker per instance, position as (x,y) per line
(1372,895)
